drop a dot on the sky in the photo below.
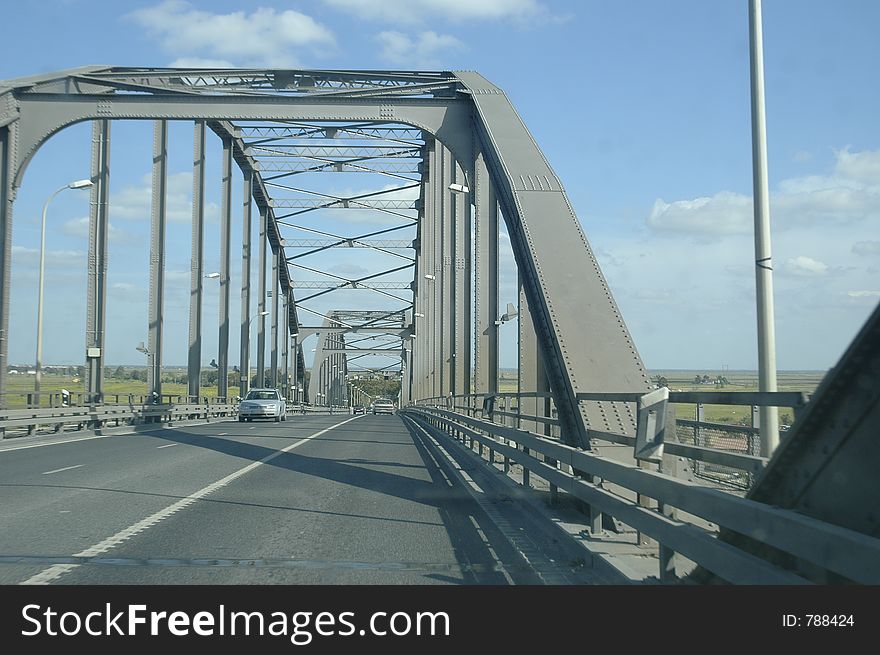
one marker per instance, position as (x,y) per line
(641,108)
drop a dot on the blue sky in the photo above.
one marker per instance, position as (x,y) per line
(642,108)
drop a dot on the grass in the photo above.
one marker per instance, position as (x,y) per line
(18,386)
(681,380)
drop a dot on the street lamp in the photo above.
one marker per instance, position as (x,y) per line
(213,276)
(143,349)
(79,184)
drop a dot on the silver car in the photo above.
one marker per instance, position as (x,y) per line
(383,406)
(262,403)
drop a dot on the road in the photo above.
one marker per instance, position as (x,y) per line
(315,499)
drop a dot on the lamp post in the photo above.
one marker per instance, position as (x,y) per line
(79,184)
(143,349)
(763,262)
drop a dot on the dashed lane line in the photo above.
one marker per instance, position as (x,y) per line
(54,572)
(66,468)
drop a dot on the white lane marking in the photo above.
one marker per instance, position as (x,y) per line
(93,436)
(168,445)
(57,443)
(222,434)
(56,571)
(66,468)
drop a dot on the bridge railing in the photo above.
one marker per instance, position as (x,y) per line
(28,421)
(682,516)
(724,454)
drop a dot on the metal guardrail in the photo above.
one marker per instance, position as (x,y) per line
(21,421)
(99,416)
(724,454)
(659,501)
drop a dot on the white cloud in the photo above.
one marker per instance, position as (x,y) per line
(54,258)
(79,227)
(861,166)
(850,194)
(201,62)
(363,216)
(699,282)
(264,37)
(723,213)
(426,50)
(866,248)
(802,265)
(350,271)
(134,202)
(419,11)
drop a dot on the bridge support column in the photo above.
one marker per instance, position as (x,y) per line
(285,342)
(96,292)
(157,255)
(318,379)
(427,280)
(245,340)
(485,281)
(445,281)
(194,365)
(261,303)
(225,238)
(532,376)
(7,195)
(461,289)
(273,374)
(294,370)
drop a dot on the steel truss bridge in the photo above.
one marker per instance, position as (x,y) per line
(451,162)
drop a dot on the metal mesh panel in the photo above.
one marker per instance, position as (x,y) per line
(716,437)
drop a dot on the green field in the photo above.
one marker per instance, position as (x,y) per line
(683,380)
(19,386)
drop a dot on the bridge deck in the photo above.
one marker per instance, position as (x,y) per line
(317,499)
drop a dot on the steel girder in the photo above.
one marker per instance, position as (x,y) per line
(580,333)
(96,291)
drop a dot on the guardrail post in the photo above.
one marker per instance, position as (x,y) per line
(554,490)
(526,474)
(30,403)
(595,512)
(756,423)
(670,465)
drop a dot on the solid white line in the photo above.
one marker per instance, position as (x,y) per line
(168,445)
(66,468)
(56,571)
(93,436)
(57,443)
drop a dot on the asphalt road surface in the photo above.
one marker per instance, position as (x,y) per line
(316,499)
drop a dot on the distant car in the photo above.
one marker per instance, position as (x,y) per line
(358,409)
(262,403)
(383,406)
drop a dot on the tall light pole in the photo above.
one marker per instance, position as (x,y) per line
(79,184)
(763,261)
